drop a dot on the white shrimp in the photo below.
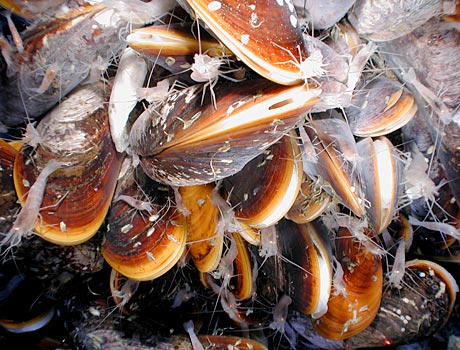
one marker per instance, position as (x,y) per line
(206,69)
(25,221)
(124,295)
(189,328)
(435,102)
(269,246)
(356,227)
(337,281)
(48,78)
(135,203)
(309,152)
(442,227)
(280,313)
(14,32)
(32,137)
(418,182)
(396,274)
(155,94)
(310,68)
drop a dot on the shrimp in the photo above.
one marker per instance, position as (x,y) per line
(32,137)
(196,344)
(436,103)
(280,313)
(396,274)
(310,67)
(442,227)
(25,221)
(135,203)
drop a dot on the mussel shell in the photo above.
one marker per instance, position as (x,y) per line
(77,196)
(69,45)
(23,304)
(247,30)
(173,46)
(381,177)
(349,314)
(144,245)
(388,20)
(264,190)
(306,264)
(416,311)
(325,14)
(204,241)
(207,143)
(228,342)
(310,203)
(384,107)
(244,286)
(338,160)
(8,198)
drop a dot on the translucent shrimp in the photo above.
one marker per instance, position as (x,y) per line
(189,328)
(25,221)
(442,227)
(435,102)
(280,313)
(32,137)
(135,203)
(337,281)
(396,274)
(311,67)
(418,182)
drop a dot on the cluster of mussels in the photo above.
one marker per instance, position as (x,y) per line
(228,174)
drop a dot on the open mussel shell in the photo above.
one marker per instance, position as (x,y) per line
(77,196)
(264,190)
(207,142)
(306,264)
(383,106)
(338,160)
(415,311)
(143,243)
(8,198)
(351,310)
(204,241)
(247,30)
(381,178)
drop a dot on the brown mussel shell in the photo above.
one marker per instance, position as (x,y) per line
(417,310)
(204,241)
(384,106)
(349,314)
(187,143)
(216,342)
(8,198)
(144,244)
(306,264)
(264,190)
(381,178)
(247,30)
(77,196)
(338,159)
(310,203)
(173,46)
